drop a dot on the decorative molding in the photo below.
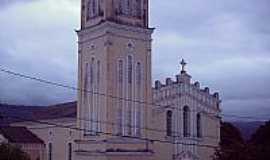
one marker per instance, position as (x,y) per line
(92,46)
(108,43)
(110,28)
(130,46)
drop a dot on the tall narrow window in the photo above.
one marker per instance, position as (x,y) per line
(85,93)
(98,72)
(129,69)
(120,101)
(130,94)
(50,151)
(94,8)
(86,80)
(138,74)
(125,7)
(199,126)
(120,71)
(128,7)
(169,123)
(69,151)
(138,107)
(92,71)
(98,126)
(91,96)
(88,15)
(138,8)
(186,121)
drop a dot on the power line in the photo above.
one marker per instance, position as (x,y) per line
(110,96)
(112,134)
(83,90)
(99,132)
(131,137)
(124,136)
(143,128)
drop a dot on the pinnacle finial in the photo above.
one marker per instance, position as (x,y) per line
(183,64)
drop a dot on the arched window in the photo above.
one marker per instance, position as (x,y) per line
(186,121)
(91,101)
(169,123)
(129,69)
(120,76)
(86,80)
(130,104)
(199,125)
(138,97)
(85,93)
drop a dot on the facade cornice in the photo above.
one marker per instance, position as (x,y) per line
(102,153)
(119,30)
(108,24)
(170,101)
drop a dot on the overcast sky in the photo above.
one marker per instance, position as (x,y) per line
(226,44)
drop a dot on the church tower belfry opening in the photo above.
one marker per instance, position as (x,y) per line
(114,76)
(130,12)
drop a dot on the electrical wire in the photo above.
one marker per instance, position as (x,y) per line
(111,96)
(109,133)
(106,133)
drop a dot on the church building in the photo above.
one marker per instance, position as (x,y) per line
(120,116)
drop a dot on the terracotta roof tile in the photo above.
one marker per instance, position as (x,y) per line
(19,135)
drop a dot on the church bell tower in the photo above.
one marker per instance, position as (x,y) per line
(114,77)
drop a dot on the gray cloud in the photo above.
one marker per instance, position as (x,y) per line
(7,3)
(226,43)
(41,44)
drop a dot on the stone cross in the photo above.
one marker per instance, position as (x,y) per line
(183,64)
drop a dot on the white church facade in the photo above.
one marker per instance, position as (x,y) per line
(120,116)
(190,117)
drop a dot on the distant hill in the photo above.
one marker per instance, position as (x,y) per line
(69,110)
(10,113)
(247,128)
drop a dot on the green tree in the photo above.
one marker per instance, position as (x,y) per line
(232,145)
(260,142)
(10,152)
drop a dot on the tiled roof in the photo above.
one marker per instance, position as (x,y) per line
(19,135)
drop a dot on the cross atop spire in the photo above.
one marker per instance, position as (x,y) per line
(183,64)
